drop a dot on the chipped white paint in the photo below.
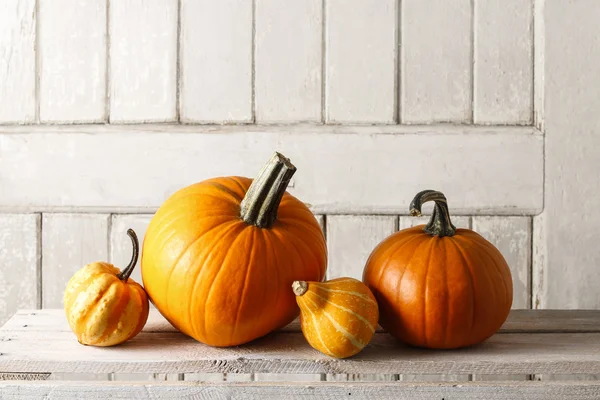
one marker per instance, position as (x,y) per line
(503,62)
(360,61)
(143,60)
(570,277)
(69,241)
(17,61)
(343,170)
(512,236)
(288,60)
(351,239)
(436,61)
(216,61)
(19,257)
(458,221)
(120,243)
(538,64)
(72,60)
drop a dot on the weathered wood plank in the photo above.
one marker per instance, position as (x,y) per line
(319,390)
(17,61)
(143,60)
(569,278)
(503,72)
(409,222)
(351,239)
(69,241)
(288,60)
(35,178)
(360,61)
(72,53)
(436,61)
(512,236)
(120,243)
(19,262)
(172,352)
(518,321)
(216,75)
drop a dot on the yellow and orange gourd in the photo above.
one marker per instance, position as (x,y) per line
(103,305)
(337,317)
(219,256)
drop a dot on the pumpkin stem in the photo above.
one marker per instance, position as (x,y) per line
(299,287)
(124,275)
(259,206)
(439,224)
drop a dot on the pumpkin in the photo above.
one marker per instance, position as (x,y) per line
(220,255)
(337,317)
(103,305)
(437,286)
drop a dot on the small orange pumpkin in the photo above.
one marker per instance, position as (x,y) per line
(104,306)
(219,256)
(438,286)
(337,317)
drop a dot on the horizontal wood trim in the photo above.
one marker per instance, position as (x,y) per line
(289,390)
(101,168)
(47,349)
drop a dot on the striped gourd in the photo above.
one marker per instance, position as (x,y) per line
(337,317)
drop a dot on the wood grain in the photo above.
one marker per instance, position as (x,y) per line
(35,177)
(300,390)
(72,54)
(17,61)
(143,60)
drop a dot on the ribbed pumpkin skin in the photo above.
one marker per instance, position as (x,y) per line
(220,280)
(338,317)
(439,292)
(101,309)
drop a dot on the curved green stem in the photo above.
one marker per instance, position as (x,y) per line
(440,223)
(124,275)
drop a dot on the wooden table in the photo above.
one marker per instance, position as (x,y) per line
(536,355)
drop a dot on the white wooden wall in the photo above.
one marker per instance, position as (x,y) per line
(107,107)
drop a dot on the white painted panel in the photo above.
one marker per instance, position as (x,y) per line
(216,61)
(458,221)
(570,277)
(120,243)
(538,64)
(360,60)
(289,37)
(436,61)
(343,170)
(143,60)
(19,257)
(69,241)
(17,61)
(503,62)
(351,239)
(512,236)
(72,53)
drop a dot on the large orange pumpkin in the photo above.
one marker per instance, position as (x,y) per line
(438,286)
(219,256)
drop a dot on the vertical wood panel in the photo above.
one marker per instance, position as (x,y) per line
(120,243)
(571,219)
(512,236)
(360,59)
(19,258)
(216,61)
(538,63)
(143,60)
(503,62)
(288,60)
(69,241)
(351,239)
(72,46)
(17,61)
(436,61)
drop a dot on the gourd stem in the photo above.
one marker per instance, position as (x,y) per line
(259,206)
(299,287)
(124,275)
(440,223)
